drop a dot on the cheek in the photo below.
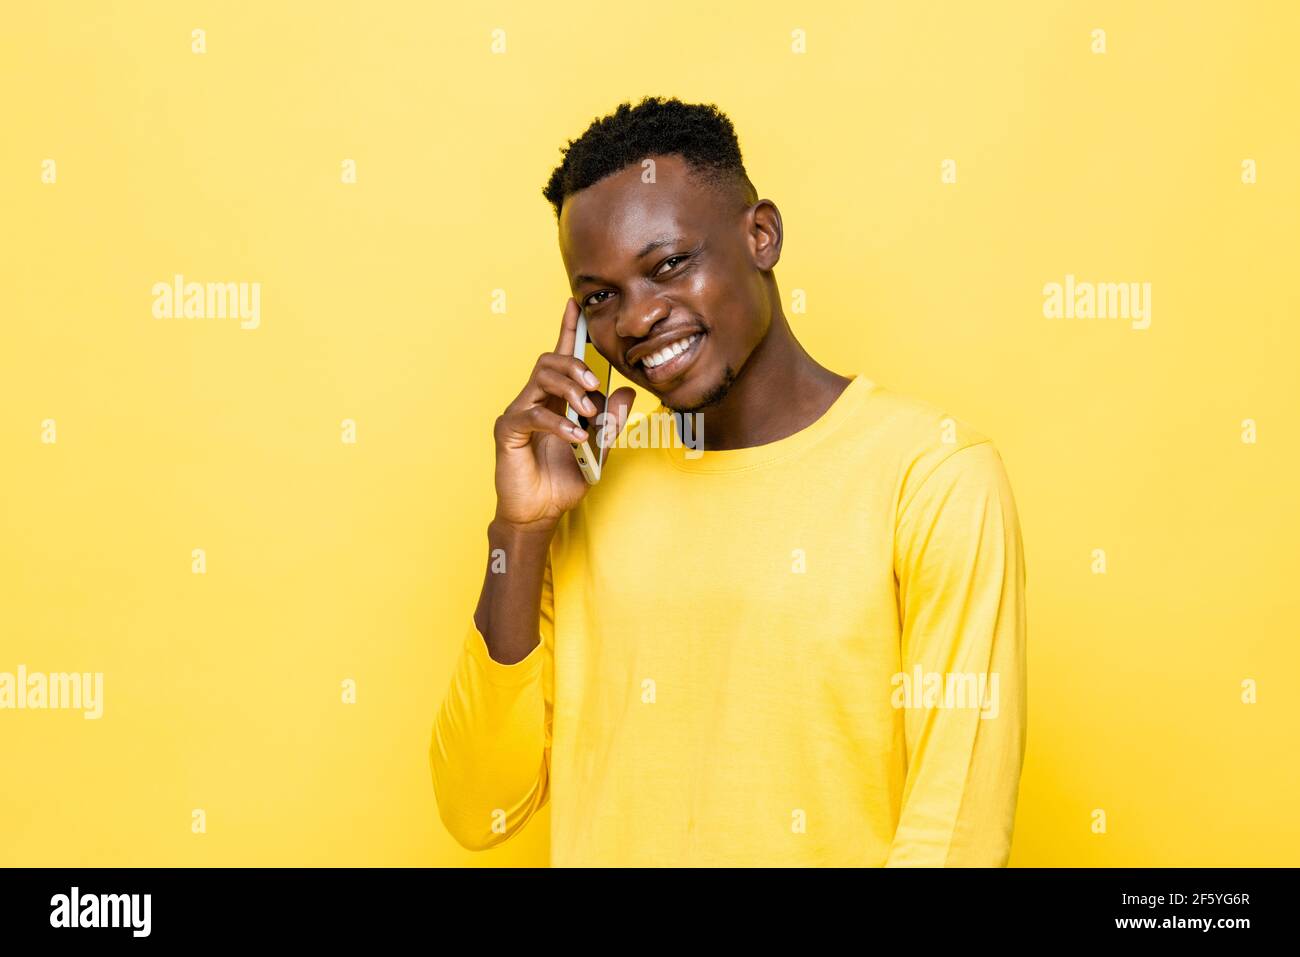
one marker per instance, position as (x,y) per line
(736,332)
(701,285)
(727,309)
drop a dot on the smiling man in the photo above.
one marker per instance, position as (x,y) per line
(698,660)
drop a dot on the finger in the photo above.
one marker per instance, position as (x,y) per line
(534,393)
(573,367)
(515,429)
(565,388)
(568,328)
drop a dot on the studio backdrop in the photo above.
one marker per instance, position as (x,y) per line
(253,520)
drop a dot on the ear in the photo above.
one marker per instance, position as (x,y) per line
(763,222)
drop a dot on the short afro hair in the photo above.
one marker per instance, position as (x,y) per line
(700,133)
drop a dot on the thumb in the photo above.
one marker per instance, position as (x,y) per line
(617,411)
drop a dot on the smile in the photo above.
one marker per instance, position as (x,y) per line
(672,359)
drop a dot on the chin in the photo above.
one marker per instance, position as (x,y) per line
(700,391)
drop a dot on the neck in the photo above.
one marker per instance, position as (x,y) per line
(779,391)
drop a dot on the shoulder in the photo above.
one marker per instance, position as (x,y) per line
(928,447)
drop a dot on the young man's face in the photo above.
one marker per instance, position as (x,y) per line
(703,276)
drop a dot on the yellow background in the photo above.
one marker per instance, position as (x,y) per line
(329,561)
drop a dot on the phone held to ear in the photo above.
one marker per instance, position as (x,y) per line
(589,453)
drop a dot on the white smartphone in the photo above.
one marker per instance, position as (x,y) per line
(589,452)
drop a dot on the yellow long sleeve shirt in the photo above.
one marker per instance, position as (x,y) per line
(805,653)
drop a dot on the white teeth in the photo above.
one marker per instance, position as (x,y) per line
(669,351)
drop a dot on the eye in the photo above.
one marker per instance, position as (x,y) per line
(670,260)
(588,301)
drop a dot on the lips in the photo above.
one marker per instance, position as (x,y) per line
(673,359)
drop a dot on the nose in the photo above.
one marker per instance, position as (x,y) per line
(636,321)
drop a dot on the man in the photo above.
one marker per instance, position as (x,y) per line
(802,643)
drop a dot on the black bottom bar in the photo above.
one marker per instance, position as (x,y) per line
(443,907)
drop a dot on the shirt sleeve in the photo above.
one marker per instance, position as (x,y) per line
(490,753)
(959,563)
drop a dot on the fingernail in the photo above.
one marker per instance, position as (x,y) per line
(589,377)
(588,406)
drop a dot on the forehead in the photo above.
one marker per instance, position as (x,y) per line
(612,220)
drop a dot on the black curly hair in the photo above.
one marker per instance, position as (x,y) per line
(698,132)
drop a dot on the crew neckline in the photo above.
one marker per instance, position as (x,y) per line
(754,456)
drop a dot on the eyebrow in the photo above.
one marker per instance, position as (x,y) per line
(646,250)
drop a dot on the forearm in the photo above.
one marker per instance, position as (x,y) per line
(961,569)
(488,753)
(509,605)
